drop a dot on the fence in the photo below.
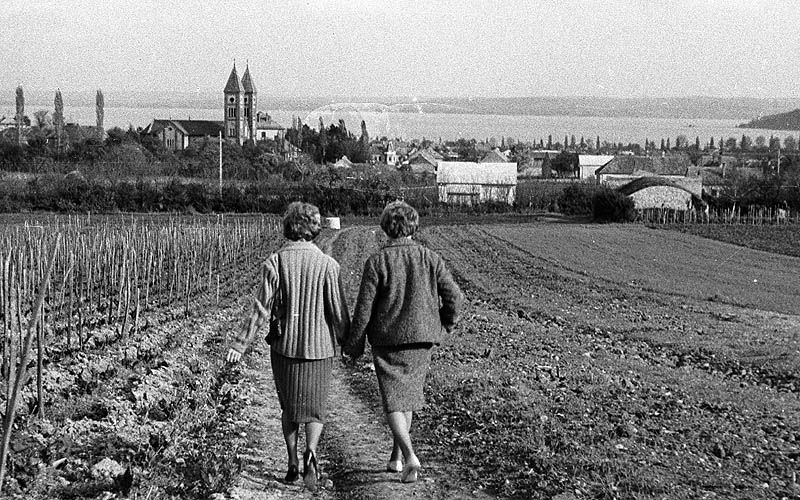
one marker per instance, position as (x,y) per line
(752,215)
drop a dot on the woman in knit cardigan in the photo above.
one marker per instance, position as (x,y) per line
(300,294)
(406,300)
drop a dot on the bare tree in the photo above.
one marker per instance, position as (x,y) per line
(41,120)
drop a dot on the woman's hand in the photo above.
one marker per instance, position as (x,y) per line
(233,356)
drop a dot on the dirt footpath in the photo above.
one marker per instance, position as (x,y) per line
(356,442)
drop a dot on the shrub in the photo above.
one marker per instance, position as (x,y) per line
(577,199)
(609,205)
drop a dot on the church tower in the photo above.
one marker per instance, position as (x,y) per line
(249,105)
(234,109)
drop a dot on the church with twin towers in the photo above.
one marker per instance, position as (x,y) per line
(242,122)
(241,107)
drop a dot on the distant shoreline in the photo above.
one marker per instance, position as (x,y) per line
(689,108)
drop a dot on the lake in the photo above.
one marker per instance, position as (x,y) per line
(446,126)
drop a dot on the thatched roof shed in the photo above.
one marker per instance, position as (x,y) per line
(660,192)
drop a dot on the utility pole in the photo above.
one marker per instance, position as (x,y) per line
(220,164)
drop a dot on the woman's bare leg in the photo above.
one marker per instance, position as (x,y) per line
(310,465)
(313,433)
(399,425)
(290,436)
(396,458)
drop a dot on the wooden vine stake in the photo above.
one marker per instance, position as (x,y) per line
(22,372)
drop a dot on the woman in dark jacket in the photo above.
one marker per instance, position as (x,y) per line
(300,294)
(406,300)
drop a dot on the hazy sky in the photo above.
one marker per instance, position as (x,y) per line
(431,48)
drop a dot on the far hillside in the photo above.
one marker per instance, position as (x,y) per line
(781,121)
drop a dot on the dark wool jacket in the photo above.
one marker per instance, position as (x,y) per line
(406,296)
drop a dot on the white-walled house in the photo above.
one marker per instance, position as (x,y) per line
(589,164)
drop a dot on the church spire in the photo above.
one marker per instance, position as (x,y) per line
(233,82)
(247,81)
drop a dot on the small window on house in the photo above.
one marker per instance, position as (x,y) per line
(232,131)
(247,112)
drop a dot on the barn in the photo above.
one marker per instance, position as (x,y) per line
(468,183)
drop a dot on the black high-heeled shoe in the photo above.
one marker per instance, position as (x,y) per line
(292,474)
(310,470)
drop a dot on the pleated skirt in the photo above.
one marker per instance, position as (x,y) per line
(302,386)
(401,372)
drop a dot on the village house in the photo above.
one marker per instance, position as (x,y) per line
(534,164)
(468,183)
(588,165)
(424,161)
(494,156)
(267,128)
(178,135)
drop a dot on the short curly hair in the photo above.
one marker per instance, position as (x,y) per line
(301,222)
(399,219)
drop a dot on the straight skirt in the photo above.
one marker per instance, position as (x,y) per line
(302,386)
(401,372)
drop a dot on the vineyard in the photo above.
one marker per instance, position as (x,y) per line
(87,304)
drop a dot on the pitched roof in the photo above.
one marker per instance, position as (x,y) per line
(200,128)
(343,162)
(155,126)
(435,154)
(642,165)
(422,156)
(269,124)
(247,81)
(494,156)
(233,82)
(464,172)
(594,160)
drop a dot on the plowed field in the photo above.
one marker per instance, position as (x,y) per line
(619,361)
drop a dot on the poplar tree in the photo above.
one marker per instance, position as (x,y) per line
(323,138)
(299,133)
(364,135)
(99,104)
(20,113)
(364,141)
(58,118)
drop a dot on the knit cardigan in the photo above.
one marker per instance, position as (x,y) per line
(310,310)
(407,296)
